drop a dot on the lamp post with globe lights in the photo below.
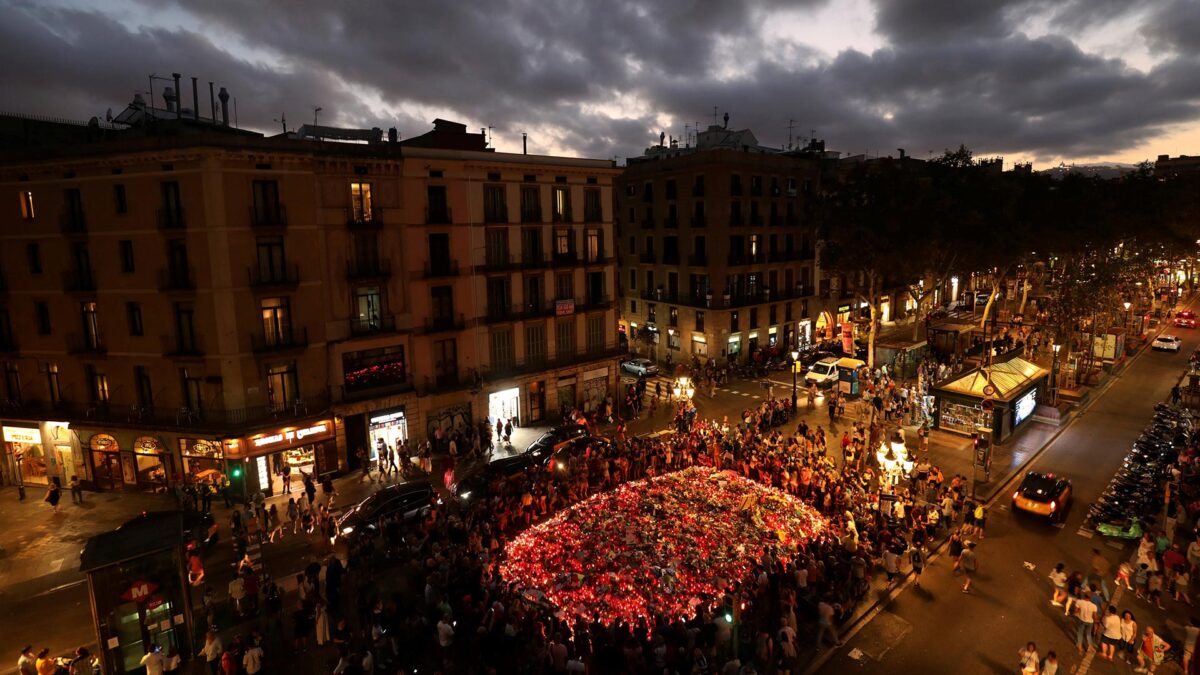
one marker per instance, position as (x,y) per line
(895,461)
(795,362)
(1128,323)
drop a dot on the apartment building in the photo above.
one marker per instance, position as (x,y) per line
(718,250)
(183,300)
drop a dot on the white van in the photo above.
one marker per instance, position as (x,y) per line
(823,372)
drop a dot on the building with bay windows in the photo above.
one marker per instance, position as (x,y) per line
(180,299)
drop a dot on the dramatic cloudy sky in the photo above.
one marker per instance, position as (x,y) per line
(1041,80)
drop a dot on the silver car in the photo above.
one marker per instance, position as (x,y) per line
(639,367)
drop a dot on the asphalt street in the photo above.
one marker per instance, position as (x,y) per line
(935,628)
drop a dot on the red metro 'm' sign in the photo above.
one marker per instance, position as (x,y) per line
(139,591)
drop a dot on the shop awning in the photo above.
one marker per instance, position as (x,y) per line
(1008,377)
(953,327)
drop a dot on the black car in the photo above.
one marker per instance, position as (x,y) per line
(409,499)
(475,483)
(576,447)
(194,524)
(548,442)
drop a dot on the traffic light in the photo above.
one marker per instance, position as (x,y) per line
(237,472)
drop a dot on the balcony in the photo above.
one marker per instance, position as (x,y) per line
(698,260)
(671,222)
(498,262)
(373,325)
(438,215)
(81,344)
(806,254)
(360,219)
(264,342)
(502,314)
(594,303)
(72,222)
(496,216)
(699,221)
(735,220)
(269,279)
(368,269)
(79,281)
(661,295)
(565,259)
(531,214)
(563,217)
(533,364)
(736,259)
(597,259)
(697,190)
(440,268)
(171,219)
(443,324)
(756,220)
(370,387)
(774,220)
(233,421)
(670,258)
(182,349)
(171,280)
(647,223)
(593,215)
(533,260)
(648,258)
(442,382)
(268,216)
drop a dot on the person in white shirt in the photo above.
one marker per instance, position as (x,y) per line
(1085,616)
(1111,635)
(445,632)
(154,661)
(252,660)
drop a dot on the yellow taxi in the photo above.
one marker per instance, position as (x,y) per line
(1043,494)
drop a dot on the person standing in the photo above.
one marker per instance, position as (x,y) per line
(27,662)
(53,494)
(212,651)
(917,558)
(252,659)
(1028,659)
(76,490)
(1110,635)
(154,662)
(286,473)
(969,564)
(1085,618)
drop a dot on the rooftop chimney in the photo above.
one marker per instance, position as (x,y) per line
(178,97)
(393,135)
(224,96)
(212,102)
(524,143)
(195,101)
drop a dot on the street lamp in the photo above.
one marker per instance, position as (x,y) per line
(1054,375)
(1128,322)
(683,387)
(795,360)
(893,458)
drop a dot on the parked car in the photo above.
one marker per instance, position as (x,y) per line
(576,447)
(1043,494)
(1166,343)
(547,443)
(476,483)
(823,372)
(639,367)
(410,499)
(1185,319)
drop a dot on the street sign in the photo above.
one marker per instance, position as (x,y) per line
(987,405)
(989,390)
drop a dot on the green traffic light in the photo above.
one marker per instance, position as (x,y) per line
(237,472)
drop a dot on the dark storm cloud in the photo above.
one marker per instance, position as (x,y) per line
(951,71)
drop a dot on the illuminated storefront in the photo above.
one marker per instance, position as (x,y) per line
(203,460)
(308,448)
(386,427)
(36,452)
(999,400)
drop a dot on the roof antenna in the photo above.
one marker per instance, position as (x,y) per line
(714,115)
(791,126)
(282,119)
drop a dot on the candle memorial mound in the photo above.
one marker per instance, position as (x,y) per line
(660,546)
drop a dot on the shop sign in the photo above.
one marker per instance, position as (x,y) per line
(1024,407)
(104,443)
(842,309)
(386,418)
(147,445)
(291,435)
(564,307)
(596,373)
(140,591)
(22,435)
(200,447)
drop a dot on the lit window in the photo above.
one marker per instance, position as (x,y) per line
(360,201)
(27,211)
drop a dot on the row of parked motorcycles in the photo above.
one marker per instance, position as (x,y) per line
(1135,494)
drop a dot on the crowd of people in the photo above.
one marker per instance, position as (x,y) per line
(443,605)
